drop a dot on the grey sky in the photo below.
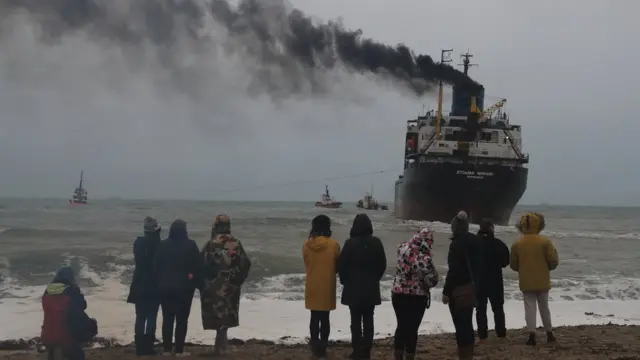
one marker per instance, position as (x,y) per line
(566,68)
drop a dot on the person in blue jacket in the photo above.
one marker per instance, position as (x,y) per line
(144,288)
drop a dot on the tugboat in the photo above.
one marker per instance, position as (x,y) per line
(369,203)
(471,160)
(327,201)
(79,194)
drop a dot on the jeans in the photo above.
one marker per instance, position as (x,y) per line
(532,302)
(319,326)
(361,328)
(497,307)
(409,311)
(176,307)
(463,322)
(146,318)
(74,352)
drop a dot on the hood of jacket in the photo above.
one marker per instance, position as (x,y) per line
(178,230)
(362,226)
(56,288)
(531,223)
(318,243)
(422,240)
(64,276)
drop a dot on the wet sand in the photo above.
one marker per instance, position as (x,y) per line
(614,342)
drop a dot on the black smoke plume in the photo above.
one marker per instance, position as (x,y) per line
(285,50)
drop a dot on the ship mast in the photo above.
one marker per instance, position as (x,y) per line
(444,58)
(81,174)
(466,62)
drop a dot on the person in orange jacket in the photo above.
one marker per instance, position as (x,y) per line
(321,254)
(534,256)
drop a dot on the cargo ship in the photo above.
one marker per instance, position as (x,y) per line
(469,160)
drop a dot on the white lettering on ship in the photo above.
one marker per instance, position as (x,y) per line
(475,174)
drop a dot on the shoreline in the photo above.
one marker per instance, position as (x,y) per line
(615,342)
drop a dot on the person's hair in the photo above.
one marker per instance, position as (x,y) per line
(321,226)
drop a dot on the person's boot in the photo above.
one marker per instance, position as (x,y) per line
(531,341)
(398,354)
(220,346)
(322,349)
(366,353)
(139,342)
(551,339)
(149,341)
(409,356)
(465,352)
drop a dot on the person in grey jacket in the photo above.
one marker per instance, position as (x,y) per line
(177,267)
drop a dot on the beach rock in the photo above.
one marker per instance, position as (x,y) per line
(35,344)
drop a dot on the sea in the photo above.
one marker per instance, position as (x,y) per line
(597,281)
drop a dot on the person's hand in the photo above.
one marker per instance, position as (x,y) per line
(445,299)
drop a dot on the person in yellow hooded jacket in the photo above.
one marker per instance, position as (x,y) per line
(534,256)
(321,254)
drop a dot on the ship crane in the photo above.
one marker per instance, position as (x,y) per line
(484,115)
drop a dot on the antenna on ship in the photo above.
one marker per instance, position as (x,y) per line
(445,57)
(466,62)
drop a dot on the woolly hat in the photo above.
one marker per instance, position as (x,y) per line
(460,223)
(151,224)
(221,224)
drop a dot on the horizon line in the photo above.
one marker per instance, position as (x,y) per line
(107,198)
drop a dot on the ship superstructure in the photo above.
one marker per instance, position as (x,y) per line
(470,159)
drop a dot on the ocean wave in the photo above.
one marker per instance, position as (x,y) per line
(510,229)
(290,287)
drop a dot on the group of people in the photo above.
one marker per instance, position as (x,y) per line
(474,279)
(167,273)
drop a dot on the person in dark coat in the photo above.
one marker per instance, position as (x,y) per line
(177,266)
(361,266)
(144,288)
(495,258)
(465,269)
(66,326)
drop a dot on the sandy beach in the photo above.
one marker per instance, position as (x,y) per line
(614,342)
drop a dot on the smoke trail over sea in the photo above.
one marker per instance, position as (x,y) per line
(284,52)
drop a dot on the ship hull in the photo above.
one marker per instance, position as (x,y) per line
(329,206)
(438,191)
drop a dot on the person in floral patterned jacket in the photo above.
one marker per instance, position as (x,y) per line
(415,276)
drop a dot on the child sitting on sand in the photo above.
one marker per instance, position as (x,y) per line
(66,326)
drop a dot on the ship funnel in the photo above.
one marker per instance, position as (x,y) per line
(467,99)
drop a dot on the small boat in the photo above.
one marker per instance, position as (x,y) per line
(327,201)
(369,203)
(80,193)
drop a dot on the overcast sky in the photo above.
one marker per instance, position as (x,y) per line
(568,69)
